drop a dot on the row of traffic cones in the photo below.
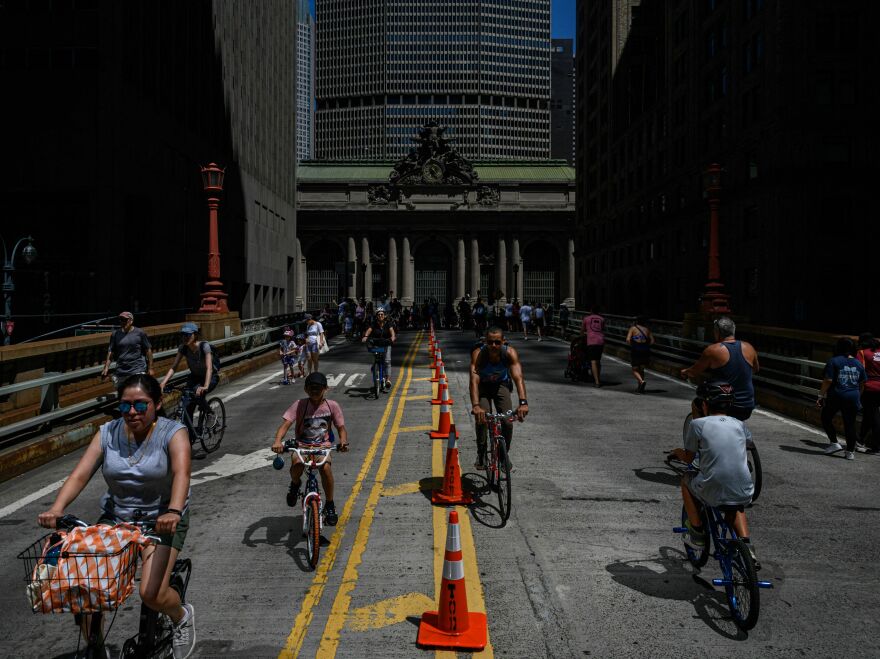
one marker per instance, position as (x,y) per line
(452,626)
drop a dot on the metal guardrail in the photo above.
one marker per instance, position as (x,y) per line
(255,340)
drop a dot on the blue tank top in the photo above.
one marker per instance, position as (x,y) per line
(738,372)
(496,373)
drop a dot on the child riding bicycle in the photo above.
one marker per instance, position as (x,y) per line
(313,419)
(716,447)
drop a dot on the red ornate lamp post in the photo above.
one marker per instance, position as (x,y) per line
(213,299)
(714,299)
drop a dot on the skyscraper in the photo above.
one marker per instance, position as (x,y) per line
(562,101)
(481,69)
(305,82)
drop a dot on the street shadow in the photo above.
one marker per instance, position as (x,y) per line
(284,531)
(359,392)
(655,391)
(429,484)
(801,449)
(669,576)
(861,509)
(484,509)
(663,477)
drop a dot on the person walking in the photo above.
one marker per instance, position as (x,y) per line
(314,340)
(525,317)
(563,320)
(593,327)
(841,391)
(869,357)
(539,320)
(640,339)
(131,348)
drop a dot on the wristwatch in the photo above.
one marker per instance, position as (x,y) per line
(523,401)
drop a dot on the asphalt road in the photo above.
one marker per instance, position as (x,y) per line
(586,566)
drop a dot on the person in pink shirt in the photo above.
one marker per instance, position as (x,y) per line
(869,356)
(313,419)
(594,331)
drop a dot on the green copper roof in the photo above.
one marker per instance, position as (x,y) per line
(493,171)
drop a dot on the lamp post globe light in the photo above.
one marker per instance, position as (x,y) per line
(714,299)
(213,298)
(29,254)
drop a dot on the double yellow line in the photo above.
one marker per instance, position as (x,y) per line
(313,597)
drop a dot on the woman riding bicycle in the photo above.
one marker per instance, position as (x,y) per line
(203,372)
(145,460)
(382,329)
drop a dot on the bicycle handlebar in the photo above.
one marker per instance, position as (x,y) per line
(70,522)
(501,416)
(303,452)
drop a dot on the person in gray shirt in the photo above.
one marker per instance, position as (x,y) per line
(131,348)
(716,447)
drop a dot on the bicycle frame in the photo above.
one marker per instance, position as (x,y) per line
(308,456)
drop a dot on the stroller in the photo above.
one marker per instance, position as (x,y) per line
(578,368)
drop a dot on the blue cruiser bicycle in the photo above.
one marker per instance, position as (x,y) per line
(377,348)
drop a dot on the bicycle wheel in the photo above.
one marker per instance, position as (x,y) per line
(213,425)
(492,466)
(755,470)
(313,531)
(697,557)
(688,420)
(503,484)
(376,377)
(742,588)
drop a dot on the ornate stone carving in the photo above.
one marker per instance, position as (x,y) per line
(379,195)
(488,196)
(432,162)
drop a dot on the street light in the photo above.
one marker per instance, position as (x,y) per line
(213,298)
(714,299)
(29,254)
(515,279)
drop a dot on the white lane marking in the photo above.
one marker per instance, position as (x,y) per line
(253,386)
(15,505)
(758,410)
(274,387)
(230,464)
(354,379)
(334,380)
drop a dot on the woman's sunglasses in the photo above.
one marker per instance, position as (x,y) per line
(140,406)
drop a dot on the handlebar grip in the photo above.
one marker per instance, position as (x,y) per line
(68,522)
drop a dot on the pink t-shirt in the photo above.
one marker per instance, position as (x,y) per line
(594,328)
(313,425)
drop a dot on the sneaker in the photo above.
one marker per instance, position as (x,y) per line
(642,386)
(861,448)
(292,493)
(185,634)
(754,556)
(330,516)
(850,455)
(694,538)
(285,382)
(833,447)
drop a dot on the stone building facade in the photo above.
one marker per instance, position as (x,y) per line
(435,225)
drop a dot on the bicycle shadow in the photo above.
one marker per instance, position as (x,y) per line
(482,511)
(284,531)
(670,577)
(359,392)
(660,477)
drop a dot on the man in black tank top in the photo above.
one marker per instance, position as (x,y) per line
(732,361)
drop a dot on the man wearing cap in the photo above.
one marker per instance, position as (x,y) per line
(131,348)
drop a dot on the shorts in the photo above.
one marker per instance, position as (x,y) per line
(639,357)
(288,360)
(538,322)
(696,487)
(594,352)
(312,348)
(174,540)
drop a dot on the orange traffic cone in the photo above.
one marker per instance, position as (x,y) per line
(437,356)
(442,392)
(453,626)
(452,493)
(445,427)
(440,370)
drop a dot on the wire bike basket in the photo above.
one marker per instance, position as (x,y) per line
(85,570)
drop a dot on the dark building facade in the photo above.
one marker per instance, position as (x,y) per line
(480,68)
(116,106)
(562,101)
(779,93)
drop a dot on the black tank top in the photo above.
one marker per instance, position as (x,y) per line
(738,372)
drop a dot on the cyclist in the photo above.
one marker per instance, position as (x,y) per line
(145,460)
(728,360)
(204,373)
(495,368)
(131,347)
(382,328)
(716,446)
(313,418)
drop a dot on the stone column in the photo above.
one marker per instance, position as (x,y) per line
(352,258)
(460,265)
(299,302)
(367,284)
(408,274)
(569,293)
(517,291)
(475,267)
(501,271)
(392,266)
